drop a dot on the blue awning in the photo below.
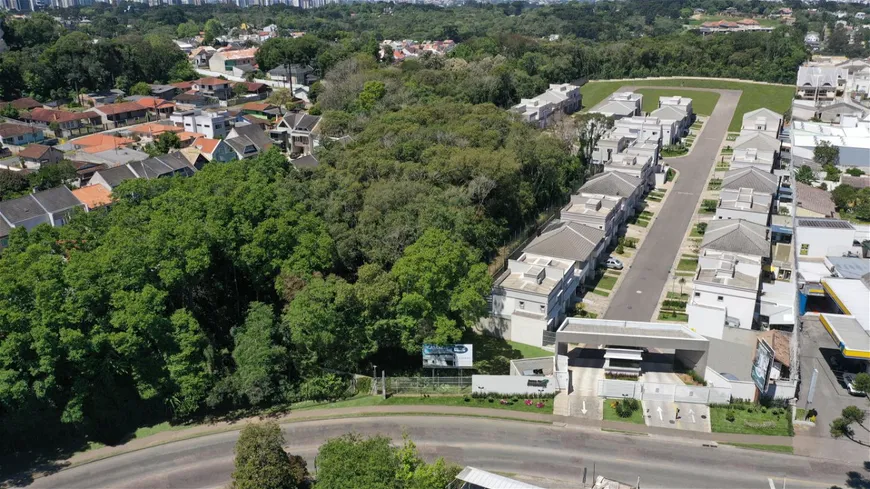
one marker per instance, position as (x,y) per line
(781,230)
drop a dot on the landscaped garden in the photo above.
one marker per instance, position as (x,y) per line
(688,263)
(714,184)
(673,316)
(624,410)
(698,230)
(752,419)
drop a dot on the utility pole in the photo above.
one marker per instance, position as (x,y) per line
(375,379)
(384,383)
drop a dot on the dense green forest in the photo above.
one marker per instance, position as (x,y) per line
(249,284)
(122,45)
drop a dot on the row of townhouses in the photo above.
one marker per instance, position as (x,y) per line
(549,274)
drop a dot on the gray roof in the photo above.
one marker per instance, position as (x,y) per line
(614,183)
(255,134)
(114,176)
(818,76)
(814,199)
(4,228)
(762,112)
(301,121)
(669,112)
(21,209)
(111,157)
(813,222)
(239,143)
(307,161)
(750,177)
(850,266)
(737,236)
(160,165)
(57,199)
(757,140)
(616,107)
(570,241)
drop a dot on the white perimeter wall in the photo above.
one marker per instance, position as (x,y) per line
(511,384)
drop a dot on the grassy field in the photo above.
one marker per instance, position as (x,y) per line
(703,103)
(775,97)
(610,414)
(687,264)
(754,423)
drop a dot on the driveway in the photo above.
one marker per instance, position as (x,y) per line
(638,295)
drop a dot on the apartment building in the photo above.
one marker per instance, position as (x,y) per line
(546,108)
(212,125)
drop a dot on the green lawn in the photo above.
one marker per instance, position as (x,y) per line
(678,317)
(687,264)
(529,351)
(775,97)
(606,282)
(641,222)
(702,102)
(602,293)
(358,401)
(754,423)
(460,401)
(766,448)
(610,414)
(677,296)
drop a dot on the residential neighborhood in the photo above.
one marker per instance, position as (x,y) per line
(604,245)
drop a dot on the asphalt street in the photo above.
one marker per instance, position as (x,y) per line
(532,449)
(638,295)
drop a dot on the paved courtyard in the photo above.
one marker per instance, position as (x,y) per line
(640,291)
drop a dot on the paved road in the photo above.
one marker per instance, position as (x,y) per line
(536,450)
(638,295)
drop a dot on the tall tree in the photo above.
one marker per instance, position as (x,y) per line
(826,154)
(262,360)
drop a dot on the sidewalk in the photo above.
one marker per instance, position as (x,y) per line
(335,413)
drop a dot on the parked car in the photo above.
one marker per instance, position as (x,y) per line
(614,263)
(849,380)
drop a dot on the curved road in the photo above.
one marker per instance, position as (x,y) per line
(533,449)
(638,296)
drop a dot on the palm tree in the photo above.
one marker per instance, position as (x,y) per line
(682,282)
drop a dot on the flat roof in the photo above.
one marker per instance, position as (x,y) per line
(824,223)
(853,340)
(628,328)
(488,480)
(849,266)
(851,296)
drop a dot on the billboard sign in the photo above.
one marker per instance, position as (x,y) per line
(448,356)
(762,365)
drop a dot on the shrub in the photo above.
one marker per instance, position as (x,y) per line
(619,249)
(363,385)
(625,407)
(702,227)
(730,416)
(709,205)
(326,387)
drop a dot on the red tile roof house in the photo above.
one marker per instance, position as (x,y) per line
(66,121)
(25,103)
(121,114)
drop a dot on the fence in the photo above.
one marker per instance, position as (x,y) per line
(548,339)
(649,391)
(429,385)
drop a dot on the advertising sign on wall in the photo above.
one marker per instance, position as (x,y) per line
(762,365)
(448,356)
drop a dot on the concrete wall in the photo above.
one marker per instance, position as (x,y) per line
(693,359)
(706,320)
(824,242)
(738,303)
(511,384)
(527,330)
(741,389)
(619,388)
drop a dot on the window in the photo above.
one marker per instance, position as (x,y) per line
(543,309)
(805,249)
(697,294)
(522,304)
(784,275)
(720,298)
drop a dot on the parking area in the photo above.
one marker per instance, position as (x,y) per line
(818,351)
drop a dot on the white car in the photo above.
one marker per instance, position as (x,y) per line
(613,263)
(849,380)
